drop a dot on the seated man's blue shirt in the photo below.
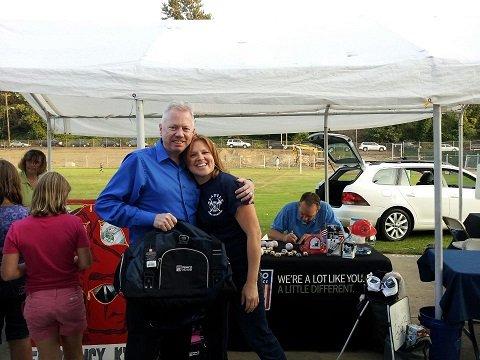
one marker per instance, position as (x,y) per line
(288,220)
(148,183)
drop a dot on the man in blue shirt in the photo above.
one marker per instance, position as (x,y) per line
(298,219)
(152,189)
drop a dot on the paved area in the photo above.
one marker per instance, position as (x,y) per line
(420,294)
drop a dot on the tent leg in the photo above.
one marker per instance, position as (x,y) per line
(325,153)
(140,124)
(437,155)
(49,143)
(48,117)
(460,164)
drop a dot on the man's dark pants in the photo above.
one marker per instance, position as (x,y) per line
(152,339)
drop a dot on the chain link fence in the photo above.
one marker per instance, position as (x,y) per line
(260,154)
(112,158)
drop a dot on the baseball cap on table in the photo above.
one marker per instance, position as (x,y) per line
(362,228)
(373,283)
(389,286)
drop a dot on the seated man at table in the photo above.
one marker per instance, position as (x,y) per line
(296,220)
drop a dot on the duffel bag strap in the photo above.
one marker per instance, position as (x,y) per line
(149,262)
(218,270)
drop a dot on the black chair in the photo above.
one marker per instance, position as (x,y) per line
(426,178)
(461,238)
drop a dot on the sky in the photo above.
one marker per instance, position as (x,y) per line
(427,15)
(235,10)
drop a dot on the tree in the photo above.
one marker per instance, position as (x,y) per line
(300,138)
(185,10)
(25,123)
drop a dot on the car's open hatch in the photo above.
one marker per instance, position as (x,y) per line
(341,149)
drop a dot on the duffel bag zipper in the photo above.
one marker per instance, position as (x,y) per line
(165,253)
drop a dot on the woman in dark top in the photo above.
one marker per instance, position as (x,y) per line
(236,225)
(12,293)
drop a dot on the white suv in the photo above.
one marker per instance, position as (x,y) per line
(397,197)
(238,143)
(370,145)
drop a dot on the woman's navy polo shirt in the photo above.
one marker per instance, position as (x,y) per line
(216,215)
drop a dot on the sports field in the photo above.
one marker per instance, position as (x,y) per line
(274,188)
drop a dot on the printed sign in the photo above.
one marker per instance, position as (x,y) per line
(96,352)
(267,281)
(320,283)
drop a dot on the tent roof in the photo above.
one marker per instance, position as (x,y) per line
(87,75)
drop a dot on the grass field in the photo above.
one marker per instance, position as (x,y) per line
(273,190)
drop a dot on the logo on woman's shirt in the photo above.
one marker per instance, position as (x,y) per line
(214,203)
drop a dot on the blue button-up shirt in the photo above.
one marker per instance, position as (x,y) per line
(288,220)
(148,183)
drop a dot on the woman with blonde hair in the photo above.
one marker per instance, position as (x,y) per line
(32,165)
(12,293)
(55,247)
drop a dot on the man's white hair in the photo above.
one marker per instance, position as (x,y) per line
(180,106)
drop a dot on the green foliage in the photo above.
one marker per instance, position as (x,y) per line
(384,134)
(300,138)
(185,10)
(423,131)
(25,123)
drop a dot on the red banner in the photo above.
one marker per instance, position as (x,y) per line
(105,308)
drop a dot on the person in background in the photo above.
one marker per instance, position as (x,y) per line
(277,163)
(236,224)
(12,293)
(32,165)
(296,220)
(152,189)
(55,248)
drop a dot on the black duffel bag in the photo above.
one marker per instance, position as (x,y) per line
(183,268)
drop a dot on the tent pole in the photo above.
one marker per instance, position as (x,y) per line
(300,158)
(460,164)
(49,143)
(437,155)
(325,153)
(49,130)
(140,124)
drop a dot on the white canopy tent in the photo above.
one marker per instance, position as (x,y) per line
(87,77)
(244,79)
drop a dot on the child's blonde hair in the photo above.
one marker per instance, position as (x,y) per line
(50,195)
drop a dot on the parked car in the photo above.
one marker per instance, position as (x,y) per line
(78,143)
(275,144)
(448,147)
(133,143)
(371,146)
(238,143)
(109,143)
(17,143)
(397,197)
(55,142)
(410,144)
